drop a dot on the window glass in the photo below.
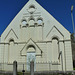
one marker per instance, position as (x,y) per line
(24,22)
(39,21)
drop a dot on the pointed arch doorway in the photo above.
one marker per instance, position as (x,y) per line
(31,56)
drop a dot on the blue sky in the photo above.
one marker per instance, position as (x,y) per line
(59,9)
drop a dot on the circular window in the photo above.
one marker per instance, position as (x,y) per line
(32,6)
(31,9)
(24,22)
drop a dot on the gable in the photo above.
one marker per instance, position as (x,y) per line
(31,44)
(11,35)
(26,13)
(54,32)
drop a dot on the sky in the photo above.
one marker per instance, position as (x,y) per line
(59,9)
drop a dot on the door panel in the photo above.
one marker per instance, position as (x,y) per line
(30,57)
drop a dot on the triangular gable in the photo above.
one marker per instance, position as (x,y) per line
(11,34)
(48,19)
(54,32)
(30,42)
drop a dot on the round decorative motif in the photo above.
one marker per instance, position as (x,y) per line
(31,9)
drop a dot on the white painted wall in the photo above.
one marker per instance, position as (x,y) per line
(40,36)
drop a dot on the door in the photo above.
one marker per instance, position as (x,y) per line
(30,57)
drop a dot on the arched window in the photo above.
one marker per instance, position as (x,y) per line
(31,48)
(31,21)
(40,21)
(11,50)
(11,41)
(24,23)
(55,47)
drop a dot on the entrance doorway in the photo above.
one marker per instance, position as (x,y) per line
(31,57)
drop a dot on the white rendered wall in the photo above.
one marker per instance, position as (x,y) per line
(68,53)
(39,36)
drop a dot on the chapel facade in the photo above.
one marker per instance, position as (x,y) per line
(35,35)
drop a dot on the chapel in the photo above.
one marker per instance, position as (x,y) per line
(35,35)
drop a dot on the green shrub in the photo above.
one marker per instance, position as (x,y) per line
(20,73)
(73,68)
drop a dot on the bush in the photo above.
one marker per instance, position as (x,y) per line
(73,68)
(20,73)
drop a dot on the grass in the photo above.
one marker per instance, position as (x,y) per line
(20,73)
